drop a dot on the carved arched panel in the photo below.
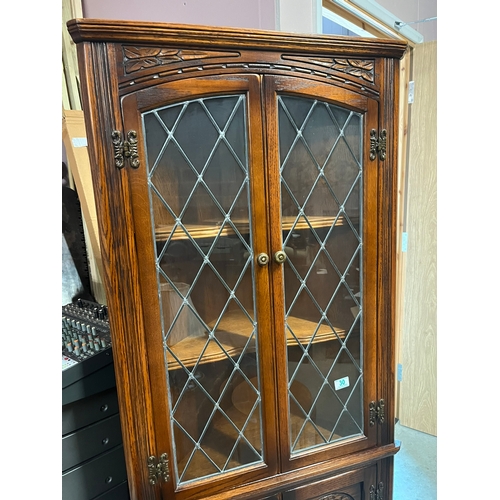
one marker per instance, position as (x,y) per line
(140,67)
(336,496)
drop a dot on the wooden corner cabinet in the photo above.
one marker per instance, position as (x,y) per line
(246,192)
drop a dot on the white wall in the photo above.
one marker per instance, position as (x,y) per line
(298,16)
(257,14)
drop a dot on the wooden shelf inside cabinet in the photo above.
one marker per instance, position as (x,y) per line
(233,333)
(211,230)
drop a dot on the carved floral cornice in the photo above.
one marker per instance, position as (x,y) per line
(361,68)
(140,58)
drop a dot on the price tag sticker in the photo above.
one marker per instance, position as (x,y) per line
(341,383)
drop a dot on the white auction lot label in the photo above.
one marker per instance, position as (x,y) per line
(341,383)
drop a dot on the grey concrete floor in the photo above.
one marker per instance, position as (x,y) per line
(415,465)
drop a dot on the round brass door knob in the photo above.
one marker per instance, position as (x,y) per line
(280,257)
(262,259)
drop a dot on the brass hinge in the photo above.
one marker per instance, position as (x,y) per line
(377,412)
(158,470)
(378,145)
(125,149)
(376,494)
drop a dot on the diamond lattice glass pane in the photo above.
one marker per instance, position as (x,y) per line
(199,185)
(156,135)
(344,182)
(224,184)
(243,452)
(176,189)
(352,137)
(299,172)
(291,118)
(322,202)
(321,172)
(196,124)
(321,133)
(221,110)
(325,421)
(199,464)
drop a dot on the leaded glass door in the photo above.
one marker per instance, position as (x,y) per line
(248,356)
(327,277)
(204,182)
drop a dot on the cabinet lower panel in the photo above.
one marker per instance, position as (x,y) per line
(349,486)
(367,474)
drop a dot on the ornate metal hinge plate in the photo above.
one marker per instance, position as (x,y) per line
(376,494)
(377,412)
(125,149)
(158,470)
(378,145)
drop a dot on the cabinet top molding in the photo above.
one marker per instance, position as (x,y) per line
(100,30)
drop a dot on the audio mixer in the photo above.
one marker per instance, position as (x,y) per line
(86,348)
(93,461)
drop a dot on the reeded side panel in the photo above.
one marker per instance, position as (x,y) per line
(321,196)
(198,178)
